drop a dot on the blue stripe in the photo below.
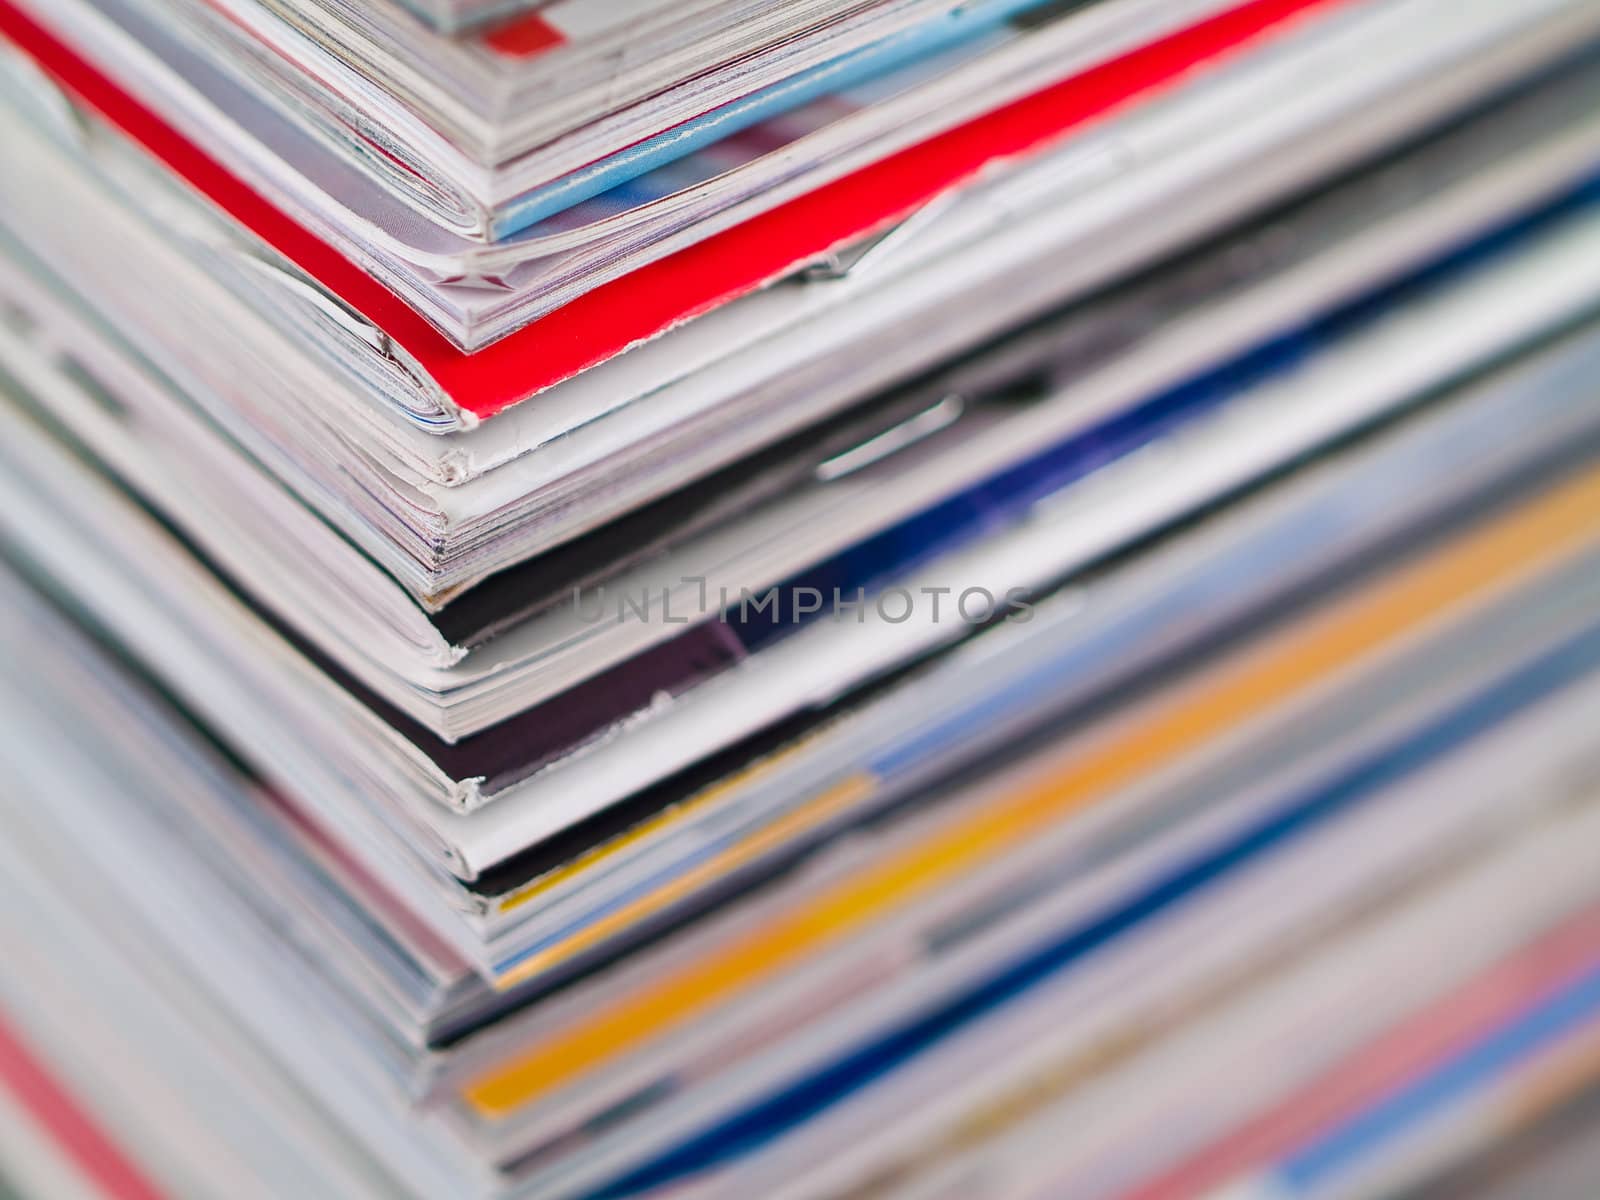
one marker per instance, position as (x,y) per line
(637,891)
(1569,1011)
(861,66)
(1302,815)
(1008,496)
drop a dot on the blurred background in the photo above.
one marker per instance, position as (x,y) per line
(800,599)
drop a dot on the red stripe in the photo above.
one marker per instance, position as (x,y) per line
(354,876)
(648,301)
(72,1130)
(1406,1051)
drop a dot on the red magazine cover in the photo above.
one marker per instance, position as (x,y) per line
(649,301)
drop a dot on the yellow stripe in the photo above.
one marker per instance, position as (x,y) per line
(1511,546)
(709,796)
(836,799)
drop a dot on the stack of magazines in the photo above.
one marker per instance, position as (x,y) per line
(801,600)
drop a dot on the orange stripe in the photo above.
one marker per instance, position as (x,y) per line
(710,796)
(1491,557)
(815,811)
